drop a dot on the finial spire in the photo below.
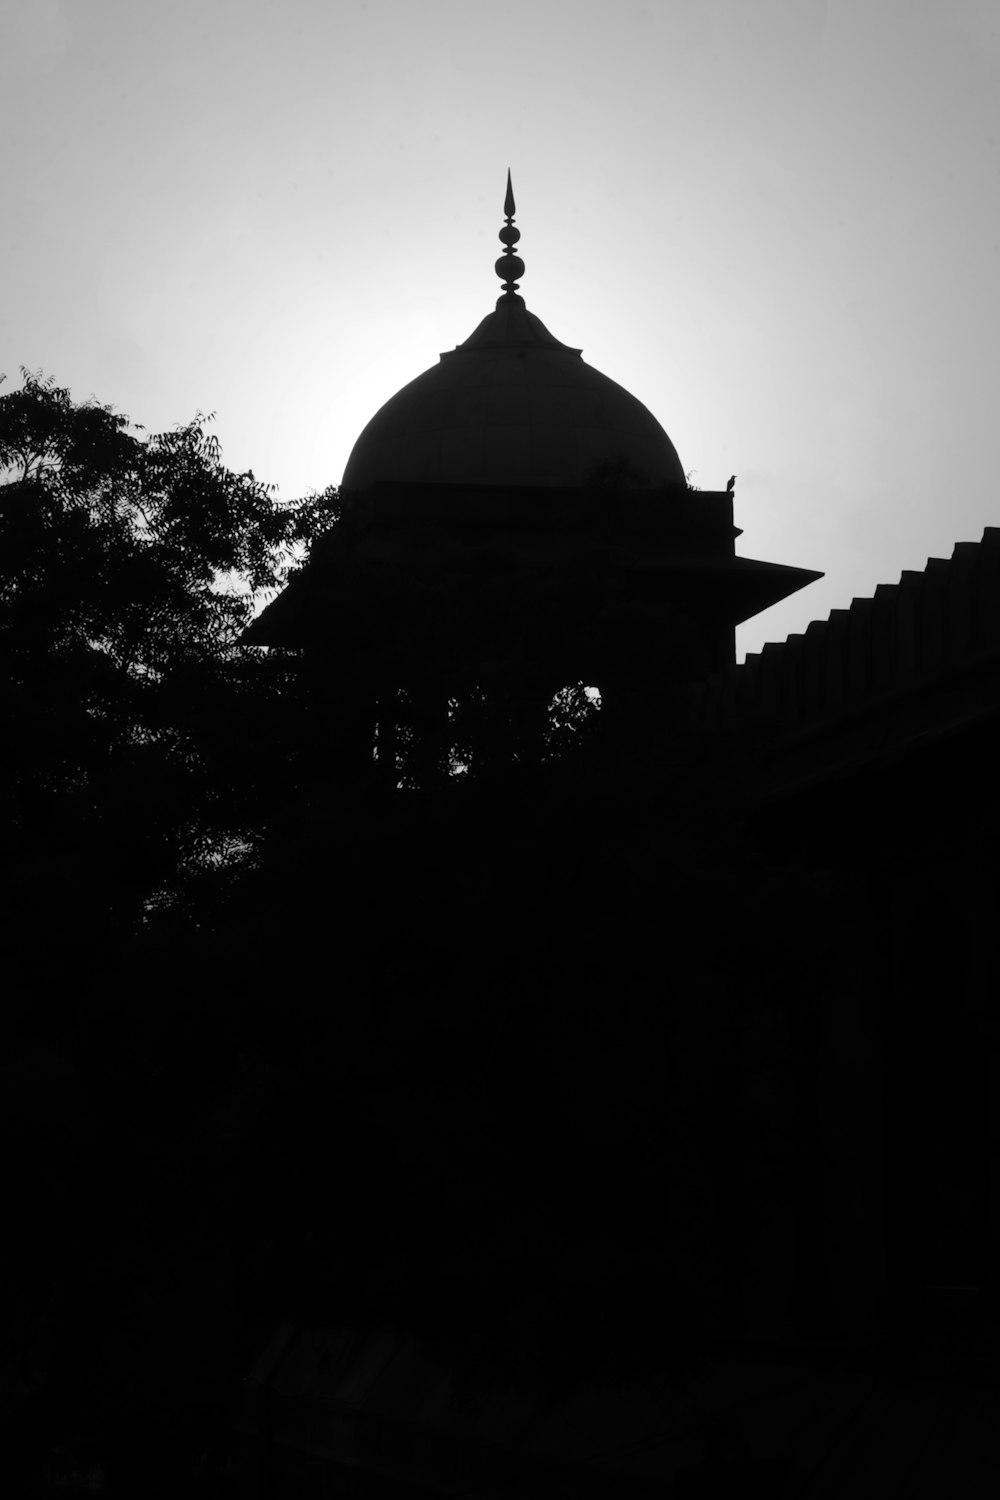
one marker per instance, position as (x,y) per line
(509,266)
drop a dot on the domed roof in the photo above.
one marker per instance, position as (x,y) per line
(512,406)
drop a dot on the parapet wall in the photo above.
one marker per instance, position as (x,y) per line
(931,626)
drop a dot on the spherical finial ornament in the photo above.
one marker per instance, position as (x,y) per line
(509,266)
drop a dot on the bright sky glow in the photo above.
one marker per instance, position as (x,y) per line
(777,222)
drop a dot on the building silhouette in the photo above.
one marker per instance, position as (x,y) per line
(513,523)
(520,463)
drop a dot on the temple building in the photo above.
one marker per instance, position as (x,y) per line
(514,522)
(544,517)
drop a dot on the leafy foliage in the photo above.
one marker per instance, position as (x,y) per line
(129,567)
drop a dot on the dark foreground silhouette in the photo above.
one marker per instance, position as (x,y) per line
(621,1062)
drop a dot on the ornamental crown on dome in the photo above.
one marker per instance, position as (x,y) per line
(509,266)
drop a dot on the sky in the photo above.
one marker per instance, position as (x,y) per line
(776,222)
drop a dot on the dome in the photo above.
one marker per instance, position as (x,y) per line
(512,406)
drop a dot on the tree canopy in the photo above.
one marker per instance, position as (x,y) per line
(130,564)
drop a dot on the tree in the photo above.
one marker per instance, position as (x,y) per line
(132,762)
(129,568)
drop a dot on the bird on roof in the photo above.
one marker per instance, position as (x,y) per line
(731,485)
